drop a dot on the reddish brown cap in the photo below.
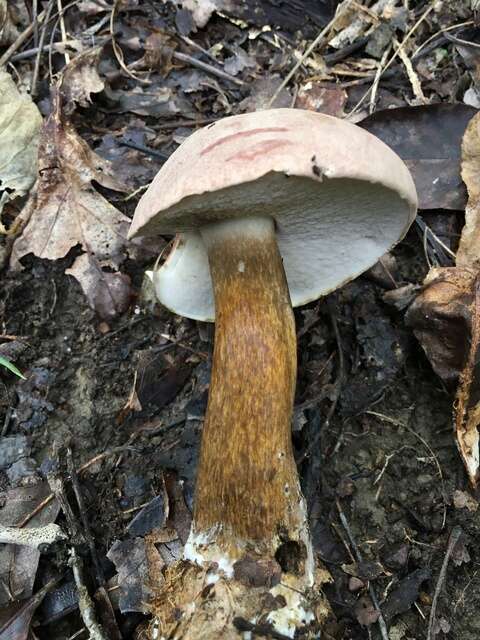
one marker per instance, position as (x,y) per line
(340,198)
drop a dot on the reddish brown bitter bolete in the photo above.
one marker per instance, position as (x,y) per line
(272,209)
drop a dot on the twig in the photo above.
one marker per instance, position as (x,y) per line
(320,39)
(46,501)
(185,123)
(396,53)
(452,541)
(63,30)
(30,53)
(85,603)
(412,75)
(183,57)
(381,620)
(40,47)
(83,515)
(21,39)
(35,21)
(341,54)
(57,485)
(378,75)
(118,51)
(143,149)
(101,593)
(444,256)
(417,51)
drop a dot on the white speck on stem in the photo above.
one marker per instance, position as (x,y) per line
(241,266)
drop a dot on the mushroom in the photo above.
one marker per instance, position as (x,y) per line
(272,209)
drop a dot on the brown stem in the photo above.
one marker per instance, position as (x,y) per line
(247,485)
(249,556)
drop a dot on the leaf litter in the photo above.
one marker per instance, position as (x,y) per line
(170,71)
(66,210)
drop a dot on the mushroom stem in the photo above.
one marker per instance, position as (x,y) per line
(248,497)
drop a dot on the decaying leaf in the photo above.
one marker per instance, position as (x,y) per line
(201,10)
(18,565)
(315,96)
(446,315)
(8,31)
(20,123)
(16,620)
(108,293)
(467,406)
(67,209)
(80,78)
(428,139)
(441,319)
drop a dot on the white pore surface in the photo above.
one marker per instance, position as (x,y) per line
(327,233)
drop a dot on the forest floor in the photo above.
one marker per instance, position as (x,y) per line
(126,388)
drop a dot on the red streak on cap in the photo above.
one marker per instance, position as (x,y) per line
(241,134)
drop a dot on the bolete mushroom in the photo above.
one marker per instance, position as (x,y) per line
(272,209)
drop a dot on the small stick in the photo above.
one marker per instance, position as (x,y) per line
(143,149)
(63,30)
(35,21)
(85,603)
(57,486)
(183,57)
(381,620)
(83,515)
(378,75)
(39,50)
(186,123)
(412,75)
(452,541)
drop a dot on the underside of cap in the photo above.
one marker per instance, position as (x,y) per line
(326,236)
(340,199)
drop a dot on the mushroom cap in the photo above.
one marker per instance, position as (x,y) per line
(339,196)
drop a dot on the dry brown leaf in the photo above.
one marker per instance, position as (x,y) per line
(315,96)
(8,31)
(20,123)
(468,254)
(159,48)
(80,78)
(108,293)
(446,320)
(467,405)
(441,319)
(446,315)
(67,210)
